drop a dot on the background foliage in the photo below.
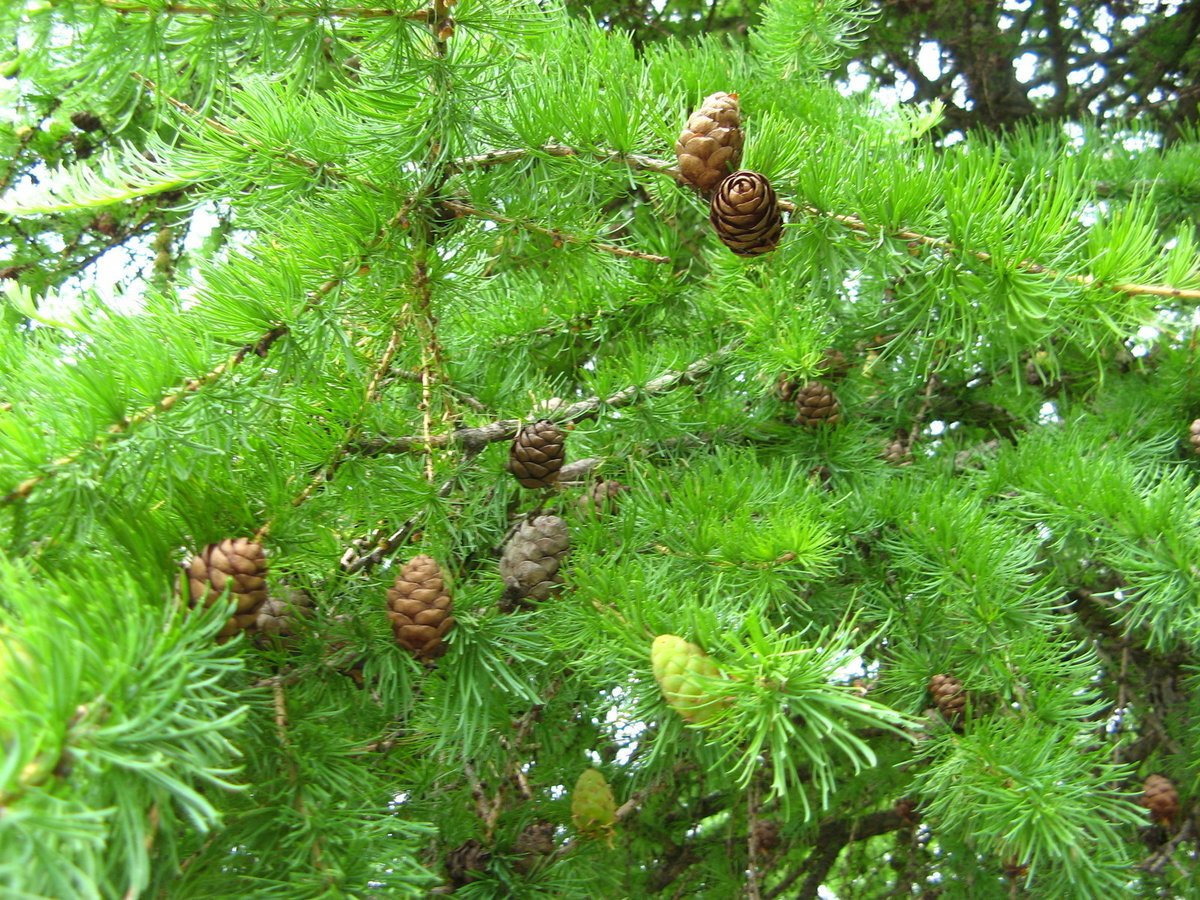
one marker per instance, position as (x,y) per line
(300,271)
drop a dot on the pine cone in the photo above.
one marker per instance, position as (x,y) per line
(834,363)
(710,146)
(536,455)
(816,405)
(239,564)
(86,120)
(467,862)
(1194,435)
(420,608)
(766,834)
(601,498)
(678,668)
(745,213)
(280,618)
(531,560)
(947,692)
(533,844)
(896,452)
(1160,797)
(593,809)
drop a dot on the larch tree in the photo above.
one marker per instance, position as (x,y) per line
(512,460)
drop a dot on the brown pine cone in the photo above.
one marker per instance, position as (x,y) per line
(419,606)
(1160,797)
(86,120)
(766,834)
(601,498)
(710,146)
(467,862)
(280,618)
(533,844)
(536,455)
(745,213)
(816,405)
(897,452)
(531,560)
(947,692)
(1194,435)
(238,563)
(834,363)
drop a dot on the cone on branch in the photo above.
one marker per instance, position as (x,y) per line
(745,214)
(537,455)
(86,120)
(1161,798)
(531,561)
(601,498)
(467,862)
(710,146)
(534,844)
(897,451)
(281,617)
(680,668)
(1194,435)
(816,405)
(593,808)
(419,607)
(947,692)
(239,564)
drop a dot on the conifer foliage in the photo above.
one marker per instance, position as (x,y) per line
(700,641)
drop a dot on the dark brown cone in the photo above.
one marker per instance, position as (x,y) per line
(531,559)
(897,453)
(745,213)
(816,405)
(1160,797)
(280,617)
(106,224)
(601,498)
(710,146)
(1194,435)
(766,834)
(420,608)
(834,363)
(947,692)
(533,844)
(536,455)
(86,120)
(467,862)
(238,563)
(786,388)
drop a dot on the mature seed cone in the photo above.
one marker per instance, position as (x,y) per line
(766,834)
(947,692)
(281,617)
(834,363)
(680,668)
(533,844)
(896,452)
(601,498)
(420,608)
(86,120)
(106,224)
(467,862)
(1160,797)
(745,213)
(536,455)
(710,146)
(238,563)
(593,809)
(1194,435)
(816,405)
(786,388)
(532,558)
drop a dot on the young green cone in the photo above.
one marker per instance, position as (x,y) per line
(679,667)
